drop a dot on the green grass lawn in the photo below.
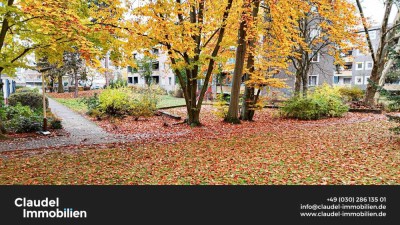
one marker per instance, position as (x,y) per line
(169,101)
(75,104)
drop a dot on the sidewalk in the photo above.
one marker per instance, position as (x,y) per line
(81,130)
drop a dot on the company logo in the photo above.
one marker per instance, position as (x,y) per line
(47,208)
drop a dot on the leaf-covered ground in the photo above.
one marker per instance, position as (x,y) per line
(356,149)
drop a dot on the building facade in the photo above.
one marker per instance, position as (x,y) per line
(161,72)
(358,64)
(355,71)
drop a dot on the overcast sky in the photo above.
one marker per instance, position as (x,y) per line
(374,9)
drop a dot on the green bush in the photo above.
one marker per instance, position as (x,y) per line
(351,93)
(16,111)
(32,99)
(123,102)
(144,105)
(115,102)
(21,119)
(55,123)
(323,102)
(92,103)
(221,106)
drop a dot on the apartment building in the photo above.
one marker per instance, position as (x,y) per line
(161,72)
(358,64)
(355,71)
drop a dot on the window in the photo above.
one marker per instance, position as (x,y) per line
(335,79)
(312,80)
(346,80)
(130,80)
(358,80)
(349,53)
(156,65)
(366,79)
(359,66)
(135,80)
(156,51)
(372,34)
(369,65)
(170,80)
(315,57)
(156,80)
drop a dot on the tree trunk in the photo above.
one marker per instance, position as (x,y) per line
(2,129)
(297,85)
(60,88)
(378,57)
(372,87)
(188,86)
(390,63)
(248,103)
(76,86)
(106,65)
(249,100)
(232,116)
(194,118)
(305,84)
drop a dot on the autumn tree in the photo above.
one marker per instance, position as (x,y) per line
(326,29)
(45,28)
(32,25)
(265,40)
(191,32)
(387,38)
(244,26)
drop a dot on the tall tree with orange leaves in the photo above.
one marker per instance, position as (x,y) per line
(264,43)
(193,33)
(46,28)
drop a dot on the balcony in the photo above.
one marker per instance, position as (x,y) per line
(348,59)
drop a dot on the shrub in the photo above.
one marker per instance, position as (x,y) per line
(32,99)
(2,105)
(157,89)
(323,102)
(92,104)
(17,111)
(20,119)
(221,106)
(144,105)
(115,102)
(122,102)
(55,123)
(351,93)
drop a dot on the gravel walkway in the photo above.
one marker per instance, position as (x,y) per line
(81,130)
